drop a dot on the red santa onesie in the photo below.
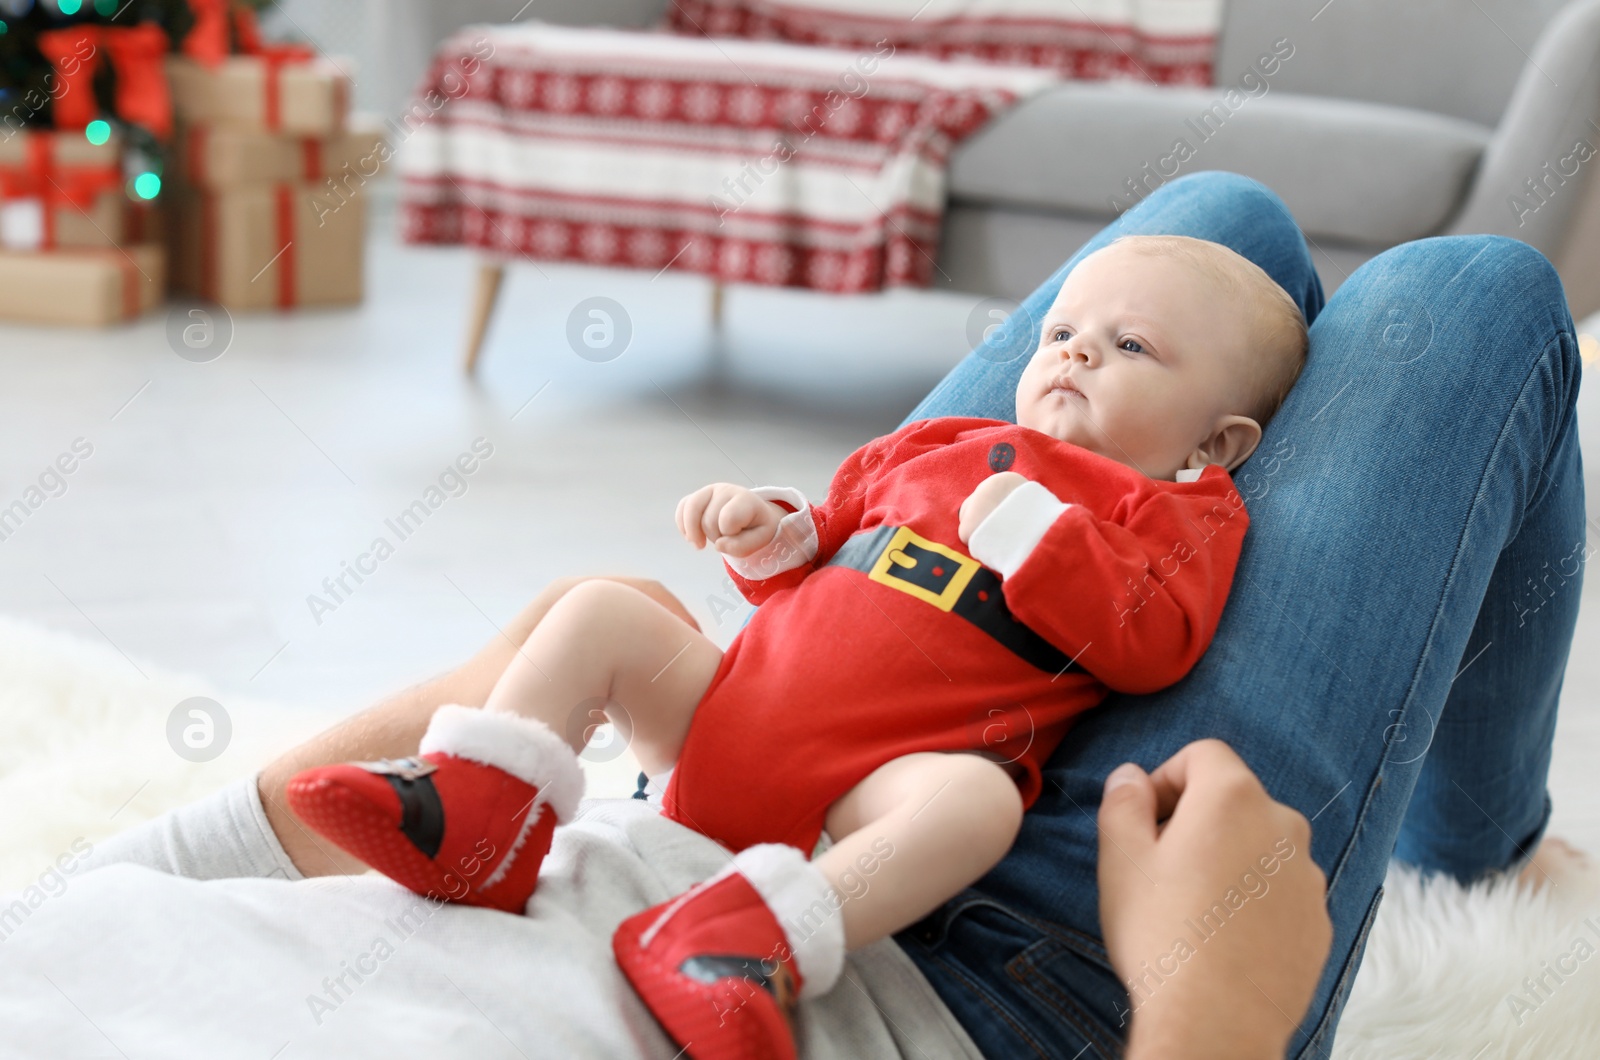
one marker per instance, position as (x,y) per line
(879,634)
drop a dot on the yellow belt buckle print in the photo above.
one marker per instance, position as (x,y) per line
(893,558)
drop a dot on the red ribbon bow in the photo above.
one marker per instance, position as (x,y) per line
(247,29)
(142,95)
(75,54)
(136,53)
(39,177)
(207,41)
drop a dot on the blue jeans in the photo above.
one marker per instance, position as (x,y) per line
(1393,647)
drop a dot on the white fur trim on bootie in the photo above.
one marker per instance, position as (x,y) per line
(526,748)
(805,905)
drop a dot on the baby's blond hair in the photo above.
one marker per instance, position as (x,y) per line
(1278,331)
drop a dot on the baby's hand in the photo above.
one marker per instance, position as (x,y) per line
(985,499)
(730,518)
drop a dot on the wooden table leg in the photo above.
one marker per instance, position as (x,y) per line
(717,359)
(718,294)
(484,296)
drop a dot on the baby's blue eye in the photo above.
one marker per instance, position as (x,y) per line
(1132,346)
(1061,335)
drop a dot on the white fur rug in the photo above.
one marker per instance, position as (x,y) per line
(1488,973)
(85,754)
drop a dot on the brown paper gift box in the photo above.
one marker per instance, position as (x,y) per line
(86,287)
(310,98)
(104,223)
(69,149)
(222,156)
(100,218)
(270,246)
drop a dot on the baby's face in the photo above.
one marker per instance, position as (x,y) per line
(1141,358)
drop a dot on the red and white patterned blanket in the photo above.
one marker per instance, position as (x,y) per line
(749,161)
(1166,41)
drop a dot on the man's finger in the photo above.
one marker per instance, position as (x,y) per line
(1127,823)
(1204,764)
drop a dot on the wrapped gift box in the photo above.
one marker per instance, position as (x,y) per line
(298,97)
(69,150)
(59,190)
(269,246)
(85,287)
(229,157)
(29,223)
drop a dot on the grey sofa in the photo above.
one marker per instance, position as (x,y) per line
(1389,120)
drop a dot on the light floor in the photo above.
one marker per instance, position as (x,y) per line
(220,495)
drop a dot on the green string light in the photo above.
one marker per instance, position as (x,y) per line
(147,185)
(105,7)
(70,7)
(97,132)
(4,29)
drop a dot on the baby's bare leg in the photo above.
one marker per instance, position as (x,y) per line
(912,834)
(607,646)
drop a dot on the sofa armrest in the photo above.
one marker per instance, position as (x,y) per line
(1539,180)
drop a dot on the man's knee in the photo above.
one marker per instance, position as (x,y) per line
(1485,265)
(1222,182)
(1522,266)
(1460,296)
(1232,195)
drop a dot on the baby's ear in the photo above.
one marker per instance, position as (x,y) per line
(1232,441)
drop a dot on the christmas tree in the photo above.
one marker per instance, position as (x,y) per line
(95,65)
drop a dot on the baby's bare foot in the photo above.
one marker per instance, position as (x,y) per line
(1553,862)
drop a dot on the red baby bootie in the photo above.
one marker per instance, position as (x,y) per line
(722,965)
(468,820)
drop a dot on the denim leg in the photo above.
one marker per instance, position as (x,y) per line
(1423,468)
(1480,802)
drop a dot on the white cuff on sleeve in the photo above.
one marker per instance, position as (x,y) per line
(1008,534)
(795,544)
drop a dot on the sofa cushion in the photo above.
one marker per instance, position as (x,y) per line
(1363,172)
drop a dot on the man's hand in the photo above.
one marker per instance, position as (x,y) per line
(730,518)
(985,499)
(1221,901)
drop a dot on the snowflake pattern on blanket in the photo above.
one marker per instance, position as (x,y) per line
(747,161)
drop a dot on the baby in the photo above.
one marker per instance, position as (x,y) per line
(926,636)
